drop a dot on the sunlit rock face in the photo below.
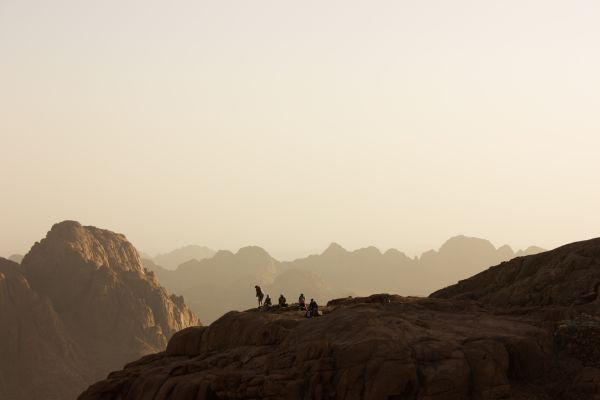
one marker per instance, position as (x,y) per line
(78,306)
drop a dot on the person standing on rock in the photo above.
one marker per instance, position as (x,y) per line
(259,295)
(302,302)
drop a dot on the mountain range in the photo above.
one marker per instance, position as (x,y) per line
(173,259)
(213,286)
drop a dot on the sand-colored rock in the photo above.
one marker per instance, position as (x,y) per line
(79,306)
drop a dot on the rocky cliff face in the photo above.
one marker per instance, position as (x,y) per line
(392,347)
(79,306)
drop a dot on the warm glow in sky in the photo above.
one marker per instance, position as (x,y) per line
(291,124)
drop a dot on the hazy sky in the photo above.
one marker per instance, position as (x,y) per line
(291,124)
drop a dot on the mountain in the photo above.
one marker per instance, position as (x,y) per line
(368,270)
(524,329)
(174,258)
(16,258)
(226,281)
(78,306)
(360,271)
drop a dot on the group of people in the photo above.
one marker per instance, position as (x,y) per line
(264,303)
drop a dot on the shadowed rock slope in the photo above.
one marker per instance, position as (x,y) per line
(567,275)
(78,306)
(36,349)
(392,347)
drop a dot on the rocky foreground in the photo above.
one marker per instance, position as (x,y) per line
(526,329)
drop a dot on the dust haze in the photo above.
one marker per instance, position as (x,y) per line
(413,184)
(289,126)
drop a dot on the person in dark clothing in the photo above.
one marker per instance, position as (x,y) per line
(302,302)
(267,303)
(313,309)
(282,301)
(259,295)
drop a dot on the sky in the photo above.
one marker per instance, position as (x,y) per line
(290,124)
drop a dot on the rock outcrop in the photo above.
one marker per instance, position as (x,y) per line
(382,347)
(78,306)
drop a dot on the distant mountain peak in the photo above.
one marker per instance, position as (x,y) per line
(16,258)
(253,252)
(368,251)
(173,259)
(334,248)
(462,242)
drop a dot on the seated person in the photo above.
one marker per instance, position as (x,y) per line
(313,309)
(282,301)
(267,302)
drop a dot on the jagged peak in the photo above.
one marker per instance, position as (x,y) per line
(334,248)
(506,251)
(95,246)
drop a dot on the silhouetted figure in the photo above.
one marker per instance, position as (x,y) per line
(267,303)
(313,309)
(282,301)
(302,302)
(259,295)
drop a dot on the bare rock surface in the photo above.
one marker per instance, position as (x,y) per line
(381,347)
(79,305)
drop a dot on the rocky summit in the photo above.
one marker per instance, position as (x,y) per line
(458,344)
(79,305)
